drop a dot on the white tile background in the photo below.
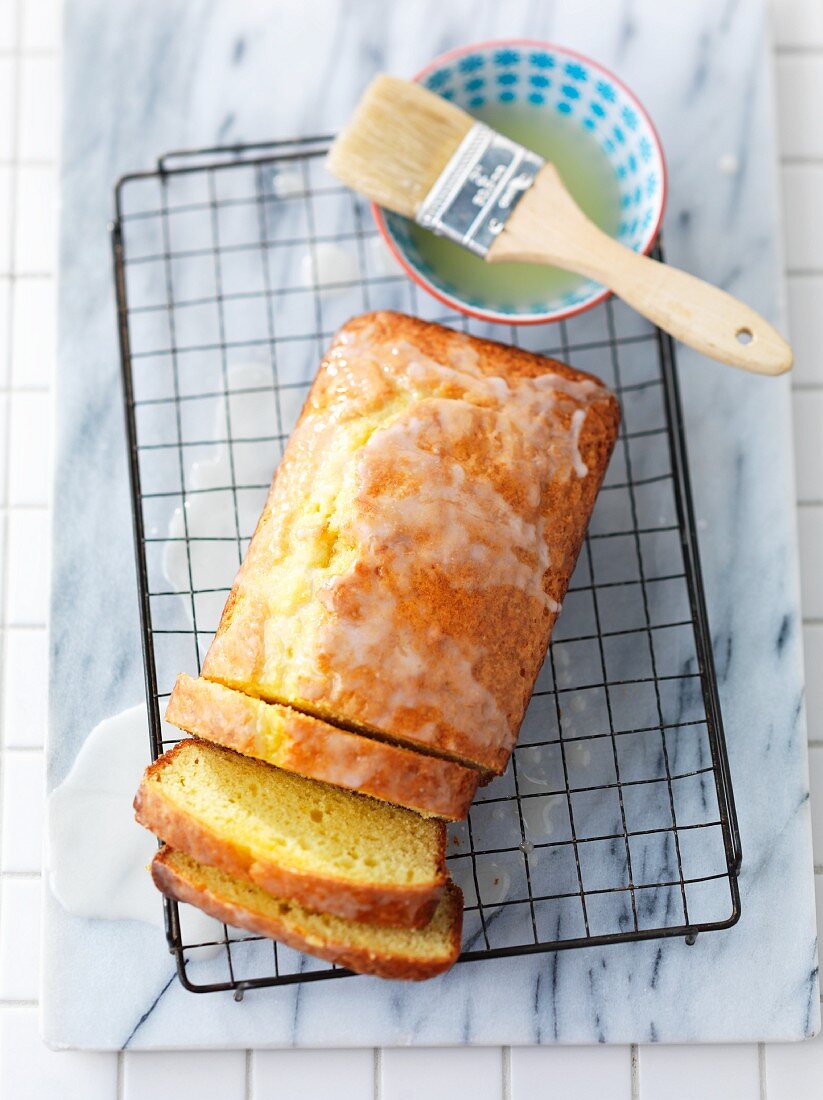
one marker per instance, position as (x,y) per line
(29,114)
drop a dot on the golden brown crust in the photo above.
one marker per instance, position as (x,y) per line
(373,903)
(171,882)
(464,647)
(298,743)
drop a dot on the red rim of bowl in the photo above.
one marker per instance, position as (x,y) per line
(541,319)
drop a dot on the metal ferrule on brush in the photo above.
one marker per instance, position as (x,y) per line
(478,189)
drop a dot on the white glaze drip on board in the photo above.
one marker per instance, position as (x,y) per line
(96,853)
(328,265)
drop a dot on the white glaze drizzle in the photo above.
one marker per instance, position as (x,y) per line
(451,517)
(579,466)
(445,521)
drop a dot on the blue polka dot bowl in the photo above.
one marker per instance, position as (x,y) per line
(549,88)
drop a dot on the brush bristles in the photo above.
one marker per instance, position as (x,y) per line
(398,142)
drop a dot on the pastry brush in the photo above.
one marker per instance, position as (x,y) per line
(414,153)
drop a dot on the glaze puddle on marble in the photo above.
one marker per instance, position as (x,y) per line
(97,855)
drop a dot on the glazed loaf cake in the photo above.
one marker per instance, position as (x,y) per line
(418,539)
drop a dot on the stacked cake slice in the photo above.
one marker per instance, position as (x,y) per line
(340,875)
(389,952)
(377,652)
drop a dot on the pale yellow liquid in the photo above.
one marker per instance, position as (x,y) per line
(587,173)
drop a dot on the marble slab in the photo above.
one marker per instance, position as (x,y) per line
(143,77)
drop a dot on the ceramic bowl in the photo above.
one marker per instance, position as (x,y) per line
(544,78)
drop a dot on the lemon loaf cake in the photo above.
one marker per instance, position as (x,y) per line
(418,538)
(299,743)
(409,953)
(298,839)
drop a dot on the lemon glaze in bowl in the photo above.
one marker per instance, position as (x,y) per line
(582,118)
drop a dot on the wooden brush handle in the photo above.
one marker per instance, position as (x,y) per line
(548,227)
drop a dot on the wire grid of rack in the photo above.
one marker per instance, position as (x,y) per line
(615,820)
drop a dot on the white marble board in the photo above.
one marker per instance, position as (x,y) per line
(143,78)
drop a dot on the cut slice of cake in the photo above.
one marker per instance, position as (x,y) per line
(299,743)
(411,954)
(418,538)
(309,842)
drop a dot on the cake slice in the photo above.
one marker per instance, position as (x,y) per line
(302,744)
(298,839)
(410,954)
(418,538)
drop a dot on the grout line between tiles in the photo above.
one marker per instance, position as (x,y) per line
(798,51)
(635,1071)
(17,1002)
(8,628)
(121,1069)
(378,1073)
(18,52)
(28,388)
(12,276)
(507,1073)
(761,1067)
(249,1075)
(23,276)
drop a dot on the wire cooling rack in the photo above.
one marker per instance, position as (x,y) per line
(615,820)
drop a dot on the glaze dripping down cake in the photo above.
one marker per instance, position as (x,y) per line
(418,540)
